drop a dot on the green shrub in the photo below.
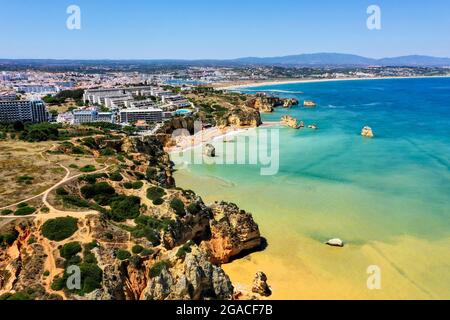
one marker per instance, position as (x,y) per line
(88,168)
(58,283)
(16,296)
(107,152)
(147,252)
(137,249)
(90,258)
(158,202)
(193,208)
(46,273)
(91,276)
(60,228)
(45,210)
(61,191)
(25,211)
(124,208)
(178,206)
(186,248)
(102,188)
(8,237)
(137,185)
(70,249)
(22,205)
(151,173)
(31,240)
(6,212)
(92,178)
(116,176)
(24,179)
(123,254)
(128,185)
(75,201)
(157,268)
(154,193)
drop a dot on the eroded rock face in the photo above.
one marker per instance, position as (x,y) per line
(232,232)
(260,285)
(195,279)
(241,117)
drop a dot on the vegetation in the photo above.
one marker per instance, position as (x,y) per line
(6,212)
(88,168)
(92,178)
(193,208)
(137,249)
(25,179)
(125,207)
(116,176)
(25,211)
(178,206)
(62,96)
(16,296)
(123,255)
(186,248)
(157,268)
(70,249)
(75,201)
(154,193)
(60,228)
(61,191)
(8,237)
(98,189)
(158,202)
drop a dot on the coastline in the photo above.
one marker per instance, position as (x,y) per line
(186,143)
(232,86)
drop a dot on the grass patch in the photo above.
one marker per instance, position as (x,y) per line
(157,268)
(154,193)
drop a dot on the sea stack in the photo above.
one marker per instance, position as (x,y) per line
(367,132)
(309,104)
(335,243)
(260,285)
(290,122)
(210,151)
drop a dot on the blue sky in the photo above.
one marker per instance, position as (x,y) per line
(148,29)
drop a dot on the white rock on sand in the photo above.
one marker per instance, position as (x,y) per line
(335,243)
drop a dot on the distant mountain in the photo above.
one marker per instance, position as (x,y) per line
(340,59)
(300,60)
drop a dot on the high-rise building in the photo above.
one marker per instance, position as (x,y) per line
(23,110)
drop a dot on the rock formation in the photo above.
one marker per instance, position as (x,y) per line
(241,117)
(209,150)
(367,132)
(335,243)
(260,285)
(290,122)
(233,231)
(309,104)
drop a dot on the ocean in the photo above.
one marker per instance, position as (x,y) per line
(387,198)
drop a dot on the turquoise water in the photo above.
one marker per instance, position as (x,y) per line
(334,183)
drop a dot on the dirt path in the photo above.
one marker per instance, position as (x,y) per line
(45,194)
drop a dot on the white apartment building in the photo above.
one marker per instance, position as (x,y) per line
(147,115)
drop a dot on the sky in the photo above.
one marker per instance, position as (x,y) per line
(217,29)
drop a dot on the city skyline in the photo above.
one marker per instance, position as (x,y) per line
(143,30)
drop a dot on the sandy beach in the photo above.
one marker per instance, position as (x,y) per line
(187,142)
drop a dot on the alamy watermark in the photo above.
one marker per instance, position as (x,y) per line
(374,19)
(73,22)
(374,279)
(242,147)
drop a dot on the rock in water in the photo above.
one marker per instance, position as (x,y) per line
(260,285)
(210,151)
(367,132)
(335,243)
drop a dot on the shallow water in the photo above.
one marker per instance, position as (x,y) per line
(387,198)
